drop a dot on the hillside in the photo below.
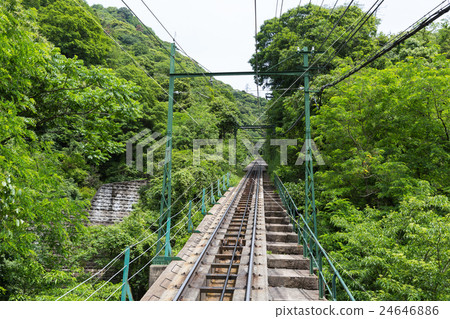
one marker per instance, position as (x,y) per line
(382,194)
(70,99)
(77,82)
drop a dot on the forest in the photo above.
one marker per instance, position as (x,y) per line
(77,82)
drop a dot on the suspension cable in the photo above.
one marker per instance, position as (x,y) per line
(355,30)
(388,48)
(134,60)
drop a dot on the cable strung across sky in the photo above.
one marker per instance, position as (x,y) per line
(219,34)
(421,24)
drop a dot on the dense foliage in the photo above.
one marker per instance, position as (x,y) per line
(70,98)
(383,133)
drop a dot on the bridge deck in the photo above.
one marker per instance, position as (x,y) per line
(279,270)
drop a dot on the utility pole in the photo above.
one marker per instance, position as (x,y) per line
(310,202)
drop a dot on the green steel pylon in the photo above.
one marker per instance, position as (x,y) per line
(126,290)
(213,200)
(203,203)
(310,202)
(224,188)
(218,188)
(190,223)
(166,200)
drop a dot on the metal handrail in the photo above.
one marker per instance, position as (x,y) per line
(302,226)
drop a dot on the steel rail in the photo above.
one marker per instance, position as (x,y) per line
(248,290)
(202,254)
(233,255)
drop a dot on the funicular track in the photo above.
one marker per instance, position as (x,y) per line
(230,270)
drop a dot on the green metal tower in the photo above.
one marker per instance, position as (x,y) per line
(166,200)
(310,202)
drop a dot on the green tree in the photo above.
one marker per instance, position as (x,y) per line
(280,39)
(383,130)
(71,27)
(227,115)
(48,103)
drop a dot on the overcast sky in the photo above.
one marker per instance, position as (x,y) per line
(219,34)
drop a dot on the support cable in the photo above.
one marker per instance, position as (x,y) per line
(98,272)
(148,263)
(336,23)
(98,289)
(111,262)
(153,35)
(134,60)
(424,23)
(295,54)
(195,63)
(256,52)
(352,34)
(172,204)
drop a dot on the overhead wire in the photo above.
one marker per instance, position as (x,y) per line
(420,24)
(195,63)
(159,41)
(133,59)
(148,263)
(153,35)
(256,53)
(198,65)
(276,9)
(294,124)
(335,24)
(321,54)
(355,30)
(298,120)
(296,53)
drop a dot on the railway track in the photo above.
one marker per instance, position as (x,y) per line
(230,250)
(245,250)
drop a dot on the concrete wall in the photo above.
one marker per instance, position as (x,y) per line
(114,201)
